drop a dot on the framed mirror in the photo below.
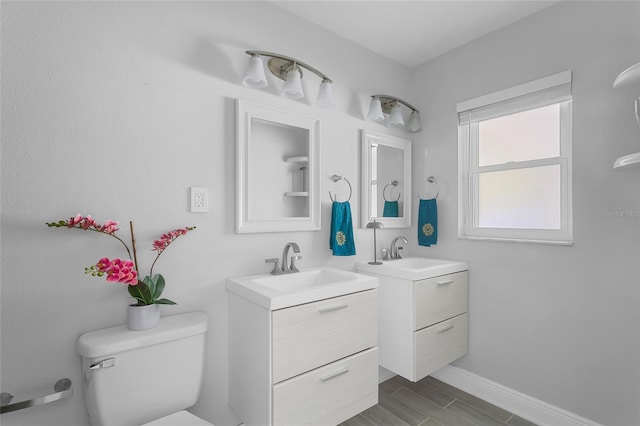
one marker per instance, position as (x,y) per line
(277,170)
(385,180)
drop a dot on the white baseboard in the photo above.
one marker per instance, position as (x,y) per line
(522,405)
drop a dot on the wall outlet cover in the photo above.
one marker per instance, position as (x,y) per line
(199,199)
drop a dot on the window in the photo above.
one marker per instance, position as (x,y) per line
(514,163)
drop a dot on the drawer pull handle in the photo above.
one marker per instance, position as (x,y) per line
(445,282)
(343,370)
(332,308)
(444,329)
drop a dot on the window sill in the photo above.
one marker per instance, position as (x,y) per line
(517,240)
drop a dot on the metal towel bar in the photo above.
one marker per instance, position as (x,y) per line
(337,178)
(62,390)
(384,195)
(433,181)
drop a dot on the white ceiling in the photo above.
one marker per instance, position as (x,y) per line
(412,32)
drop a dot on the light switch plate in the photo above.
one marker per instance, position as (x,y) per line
(199,200)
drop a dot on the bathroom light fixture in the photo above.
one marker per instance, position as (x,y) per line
(293,84)
(385,104)
(375,110)
(289,70)
(255,76)
(395,119)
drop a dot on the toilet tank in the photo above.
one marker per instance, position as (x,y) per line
(133,377)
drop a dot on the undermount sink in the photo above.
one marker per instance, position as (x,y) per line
(308,285)
(414,268)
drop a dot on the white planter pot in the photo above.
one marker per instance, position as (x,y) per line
(143,317)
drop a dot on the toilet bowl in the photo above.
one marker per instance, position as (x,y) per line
(149,377)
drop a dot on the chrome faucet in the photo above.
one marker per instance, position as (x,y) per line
(285,267)
(394,251)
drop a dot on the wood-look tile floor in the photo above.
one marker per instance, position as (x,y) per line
(431,402)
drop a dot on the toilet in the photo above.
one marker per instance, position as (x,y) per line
(144,378)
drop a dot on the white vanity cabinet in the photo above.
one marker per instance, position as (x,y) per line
(308,364)
(422,323)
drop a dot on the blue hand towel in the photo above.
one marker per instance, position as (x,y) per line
(390,209)
(341,239)
(428,222)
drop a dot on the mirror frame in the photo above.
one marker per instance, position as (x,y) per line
(367,139)
(246,112)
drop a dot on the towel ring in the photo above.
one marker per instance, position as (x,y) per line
(394,183)
(432,180)
(336,178)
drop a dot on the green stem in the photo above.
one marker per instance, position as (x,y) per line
(154,263)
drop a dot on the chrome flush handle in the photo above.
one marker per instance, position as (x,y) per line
(105,363)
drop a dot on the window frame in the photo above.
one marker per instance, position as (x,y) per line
(469,170)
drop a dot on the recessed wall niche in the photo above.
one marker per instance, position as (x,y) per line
(277,156)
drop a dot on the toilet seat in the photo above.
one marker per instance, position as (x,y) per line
(181,418)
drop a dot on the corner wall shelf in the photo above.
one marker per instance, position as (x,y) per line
(630,75)
(301,159)
(627,160)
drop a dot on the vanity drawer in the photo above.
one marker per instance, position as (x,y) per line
(315,334)
(439,345)
(439,298)
(329,394)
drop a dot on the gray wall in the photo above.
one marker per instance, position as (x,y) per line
(115,109)
(557,323)
(96,95)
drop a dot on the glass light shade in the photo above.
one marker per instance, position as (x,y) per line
(254,76)
(414,124)
(375,110)
(293,86)
(395,119)
(325,95)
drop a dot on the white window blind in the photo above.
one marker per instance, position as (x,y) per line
(545,91)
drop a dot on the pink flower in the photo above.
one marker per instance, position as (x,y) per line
(103,264)
(109,227)
(74,220)
(79,221)
(163,242)
(88,222)
(118,270)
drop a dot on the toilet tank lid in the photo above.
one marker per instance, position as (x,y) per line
(118,339)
